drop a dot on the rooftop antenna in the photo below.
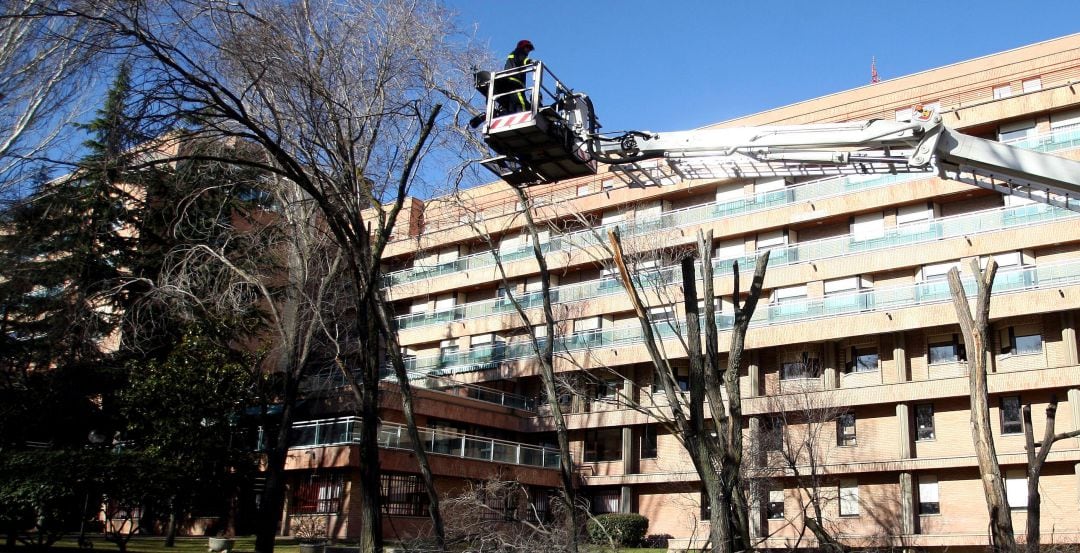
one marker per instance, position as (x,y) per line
(873,70)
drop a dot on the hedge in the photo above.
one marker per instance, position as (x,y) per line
(627,530)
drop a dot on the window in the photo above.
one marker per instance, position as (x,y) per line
(772,433)
(608,391)
(798,369)
(403,495)
(1012,421)
(903,114)
(947,352)
(662,313)
(540,504)
(845,429)
(1016,492)
(706,509)
(928,495)
(774,509)
(924,422)
(1016,131)
(868,226)
(448,350)
(863,359)
(648,441)
(1032,85)
(499,504)
(604,501)
(682,380)
(1026,343)
(603,445)
(319,493)
(849,497)
(1002,91)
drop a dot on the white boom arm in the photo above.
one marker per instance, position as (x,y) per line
(560,139)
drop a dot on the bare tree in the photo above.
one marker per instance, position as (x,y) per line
(716,452)
(46,63)
(795,445)
(544,349)
(344,97)
(1036,457)
(976,330)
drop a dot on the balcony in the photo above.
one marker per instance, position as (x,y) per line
(1056,140)
(924,232)
(333,380)
(344,431)
(1007,281)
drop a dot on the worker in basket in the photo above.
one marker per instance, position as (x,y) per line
(509,91)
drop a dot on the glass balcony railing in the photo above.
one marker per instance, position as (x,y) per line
(1056,140)
(1008,280)
(333,379)
(340,431)
(928,231)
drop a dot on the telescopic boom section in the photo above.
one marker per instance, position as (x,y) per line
(542,131)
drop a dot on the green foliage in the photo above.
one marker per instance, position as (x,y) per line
(183,411)
(625,529)
(43,491)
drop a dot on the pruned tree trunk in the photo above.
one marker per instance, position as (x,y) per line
(393,350)
(1037,453)
(976,330)
(716,452)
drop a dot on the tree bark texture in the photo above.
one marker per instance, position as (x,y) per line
(976,330)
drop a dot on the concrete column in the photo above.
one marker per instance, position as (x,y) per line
(753,371)
(626,499)
(629,389)
(1068,337)
(903,374)
(903,423)
(628,457)
(907,503)
(1073,397)
(756,529)
(828,362)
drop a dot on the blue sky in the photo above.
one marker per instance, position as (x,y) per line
(672,65)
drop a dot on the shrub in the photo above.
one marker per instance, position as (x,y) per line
(627,530)
(657,541)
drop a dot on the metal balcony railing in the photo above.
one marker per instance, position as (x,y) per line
(341,431)
(1056,140)
(1008,280)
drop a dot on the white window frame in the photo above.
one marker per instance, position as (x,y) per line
(929,492)
(1031,85)
(1016,493)
(1002,91)
(849,497)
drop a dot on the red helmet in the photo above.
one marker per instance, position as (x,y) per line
(525,44)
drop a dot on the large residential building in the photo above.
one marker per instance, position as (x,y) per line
(854,352)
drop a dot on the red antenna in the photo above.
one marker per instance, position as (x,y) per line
(873,71)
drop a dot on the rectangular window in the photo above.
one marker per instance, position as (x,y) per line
(1012,421)
(845,429)
(774,509)
(797,369)
(849,497)
(928,495)
(947,352)
(603,445)
(648,441)
(319,493)
(1016,131)
(1016,492)
(924,422)
(1024,344)
(772,433)
(1032,85)
(1003,91)
(403,495)
(863,359)
(682,380)
(604,501)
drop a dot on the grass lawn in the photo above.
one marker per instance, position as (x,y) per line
(244,544)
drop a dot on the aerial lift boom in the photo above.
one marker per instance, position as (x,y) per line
(558,137)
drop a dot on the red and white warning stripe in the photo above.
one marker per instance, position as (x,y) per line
(511,120)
